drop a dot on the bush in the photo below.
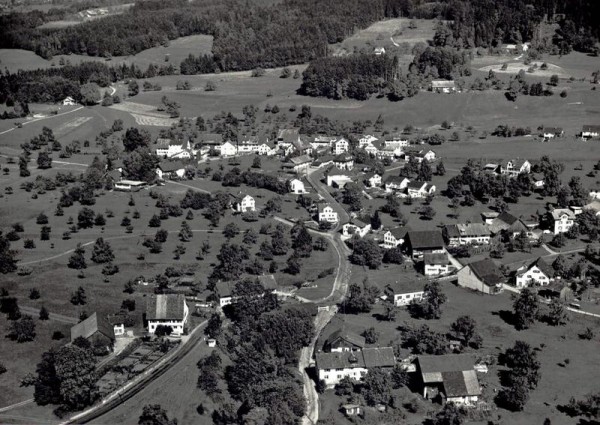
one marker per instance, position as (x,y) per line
(57,335)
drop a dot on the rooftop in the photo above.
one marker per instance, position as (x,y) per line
(165,307)
(436,259)
(487,271)
(90,326)
(425,239)
(366,358)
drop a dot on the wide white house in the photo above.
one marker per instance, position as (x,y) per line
(418,189)
(436,264)
(442,86)
(228,149)
(403,293)
(467,234)
(340,146)
(333,367)
(537,272)
(562,219)
(171,149)
(394,237)
(327,213)
(356,227)
(167,310)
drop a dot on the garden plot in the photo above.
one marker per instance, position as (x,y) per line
(145,114)
(516,67)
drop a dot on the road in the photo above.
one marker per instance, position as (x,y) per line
(324,193)
(39,119)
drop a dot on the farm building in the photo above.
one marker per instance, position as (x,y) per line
(467,234)
(373,179)
(442,86)
(436,264)
(403,293)
(424,242)
(96,329)
(333,367)
(167,310)
(449,378)
(507,222)
(69,101)
(129,185)
(537,272)
(483,276)
(514,167)
(170,169)
(343,340)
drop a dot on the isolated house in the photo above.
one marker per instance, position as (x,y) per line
(356,227)
(96,329)
(551,132)
(129,185)
(436,264)
(424,242)
(467,234)
(344,340)
(449,378)
(514,167)
(483,276)
(378,51)
(442,86)
(167,310)
(403,293)
(296,186)
(590,131)
(327,213)
(561,219)
(394,237)
(537,272)
(243,203)
(333,367)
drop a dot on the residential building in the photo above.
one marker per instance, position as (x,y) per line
(424,242)
(419,155)
(338,178)
(449,378)
(594,194)
(394,237)
(467,234)
(170,170)
(327,213)
(96,329)
(69,101)
(356,227)
(167,310)
(590,131)
(436,264)
(243,203)
(300,164)
(171,149)
(535,273)
(344,161)
(129,185)
(419,189)
(342,341)
(248,145)
(340,146)
(561,219)
(352,409)
(378,51)
(508,223)
(333,367)
(395,183)
(403,293)
(371,150)
(514,167)
(483,276)
(267,148)
(396,141)
(296,186)
(228,149)
(373,179)
(489,216)
(442,86)
(323,142)
(538,180)
(366,140)
(551,132)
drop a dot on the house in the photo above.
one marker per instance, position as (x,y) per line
(424,242)
(537,272)
(508,223)
(594,194)
(442,86)
(561,220)
(449,378)
(483,276)
(170,169)
(117,321)
(419,189)
(436,264)
(344,340)
(96,329)
(551,132)
(514,167)
(356,227)
(396,141)
(167,310)
(340,146)
(267,148)
(593,206)
(352,409)
(366,140)
(371,150)
(243,203)
(69,101)
(467,234)
(174,149)
(389,152)
(228,149)
(420,155)
(394,237)
(296,186)
(344,161)
(489,216)
(224,293)
(300,163)
(210,140)
(378,51)
(333,367)
(322,142)
(538,180)
(590,131)
(338,178)
(327,213)
(402,293)
(129,185)
(373,179)
(395,183)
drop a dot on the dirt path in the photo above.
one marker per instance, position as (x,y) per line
(39,119)
(33,311)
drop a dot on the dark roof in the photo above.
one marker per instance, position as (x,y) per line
(366,358)
(215,138)
(288,135)
(415,184)
(347,336)
(169,166)
(506,218)
(461,383)
(90,326)
(394,179)
(425,239)
(344,157)
(302,159)
(487,271)
(399,232)
(542,265)
(165,307)
(436,259)
(446,363)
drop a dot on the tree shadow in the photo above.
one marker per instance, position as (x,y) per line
(506,315)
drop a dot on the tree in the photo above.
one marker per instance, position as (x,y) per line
(41,219)
(210,86)
(8,261)
(377,387)
(514,397)
(154,414)
(185,232)
(256,162)
(433,299)
(85,218)
(557,314)
(135,138)
(360,300)
(285,73)
(465,329)
(44,160)
(425,172)
(133,87)
(366,253)
(427,212)
(77,259)
(90,94)
(525,309)
(293,265)
(102,252)
(22,330)
(154,221)
(213,327)
(231,230)
(451,414)
(78,297)
(44,314)
(23,163)
(522,359)
(371,335)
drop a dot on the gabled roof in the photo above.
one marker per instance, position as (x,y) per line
(210,138)
(425,239)
(343,157)
(540,264)
(399,232)
(557,213)
(591,128)
(346,335)
(335,171)
(288,135)
(445,363)
(357,222)
(165,307)
(170,166)
(322,206)
(302,159)
(460,384)
(416,185)
(467,230)
(267,281)
(404,286)
(440,259)
(90,326)
(239,197)
(395,180)
(366,358)
(487,271)
(162,142)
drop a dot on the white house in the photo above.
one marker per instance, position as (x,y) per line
(467,234)
(296,186)
(343,340)
(396,140)
(228,149)
(403,293)
(371,150)
(170,169)
(335,366)
(129,185)
(356,227)
(483,276)
(418,189)
(537,272)
(344,161)
(562,220)
(322,142)
(340,146)
(442,86)
(395,183)
(338,177)
(366,140)
(267,148)
(436,264)
(69,101)
(167,148)
(590,131)
(514,167)
(420,155)
(538,180)
(551,132)
(394,237)
(378,51)
(167,310)
(327,213)
(594,194)
(243,203)
(373,180)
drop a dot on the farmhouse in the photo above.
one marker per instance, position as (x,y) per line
(424,242)
(170,169)
(489,216)
(344,161)
(69,101)
(467,234)
(129,185)
(300,163)
(483,276)
(395,183)
(514,167)
(267,148)
(327,213)
(96,329)
(322,142)
(243,203)
(508,223)
(551,132)
(296,186)
(590,131)
(442,86)
(373,179)
(594,194)
(436,264)
(167,310)
(419,155)
(561,219)
(388,152)
(342,341)
(396,141)
(333,367)
(535,273)
(449,378)
(228,149)
(356,227)
(394,237)
(378,51)
(167,148)
(403,293)
(419,189)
